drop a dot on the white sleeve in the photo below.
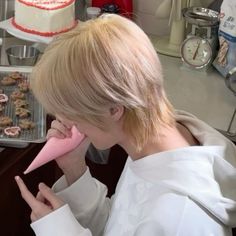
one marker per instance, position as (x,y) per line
(87,200)
(60,222)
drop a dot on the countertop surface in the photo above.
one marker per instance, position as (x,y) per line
(202,93)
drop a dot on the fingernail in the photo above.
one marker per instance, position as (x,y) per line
(17,178)
(42,186)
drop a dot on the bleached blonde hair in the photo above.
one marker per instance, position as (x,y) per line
(104,62)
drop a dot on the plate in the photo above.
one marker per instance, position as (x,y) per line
(37,113)
(11,29)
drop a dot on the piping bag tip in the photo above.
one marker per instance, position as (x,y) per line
(55,148)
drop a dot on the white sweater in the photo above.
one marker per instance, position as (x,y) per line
(186,191)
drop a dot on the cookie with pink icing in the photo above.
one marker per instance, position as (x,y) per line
(13,131)
(3,98)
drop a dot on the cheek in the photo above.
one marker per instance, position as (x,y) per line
(83,129)
(99,138)
(102,140)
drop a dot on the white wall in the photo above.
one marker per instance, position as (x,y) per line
(144,11)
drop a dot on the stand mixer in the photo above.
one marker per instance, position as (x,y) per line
(170,45)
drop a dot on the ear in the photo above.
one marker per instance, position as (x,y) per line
(116,112)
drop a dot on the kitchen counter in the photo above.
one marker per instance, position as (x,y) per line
(204,94)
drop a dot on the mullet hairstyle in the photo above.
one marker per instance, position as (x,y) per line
(101,63)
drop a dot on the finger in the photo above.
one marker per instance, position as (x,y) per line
(50,196)
(33,217)
(55,123)
(54,133)
(67,125)
(40,197)
(66,122)
(26,194)
(39,209)
(61,127)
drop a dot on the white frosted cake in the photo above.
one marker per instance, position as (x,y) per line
(44,17)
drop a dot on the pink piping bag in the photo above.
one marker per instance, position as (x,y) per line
(54,148)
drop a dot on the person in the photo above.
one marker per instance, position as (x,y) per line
(105,78)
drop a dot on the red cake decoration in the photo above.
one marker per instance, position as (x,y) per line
(47,4)
(44,34)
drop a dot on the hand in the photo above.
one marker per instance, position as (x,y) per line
(72,163)
(59,130)
(43,204)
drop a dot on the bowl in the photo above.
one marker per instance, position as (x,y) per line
(201,16)
(22,55)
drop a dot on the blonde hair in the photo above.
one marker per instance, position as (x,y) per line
(100,63)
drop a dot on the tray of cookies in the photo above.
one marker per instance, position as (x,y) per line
(22,118)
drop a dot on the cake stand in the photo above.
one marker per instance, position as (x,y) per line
(170,45)
(11,29)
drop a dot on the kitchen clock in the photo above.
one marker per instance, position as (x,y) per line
(196,52)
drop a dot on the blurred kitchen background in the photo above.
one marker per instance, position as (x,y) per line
(144,12)
(147,18)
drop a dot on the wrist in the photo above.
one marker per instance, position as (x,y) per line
(74,174)
(73,171)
